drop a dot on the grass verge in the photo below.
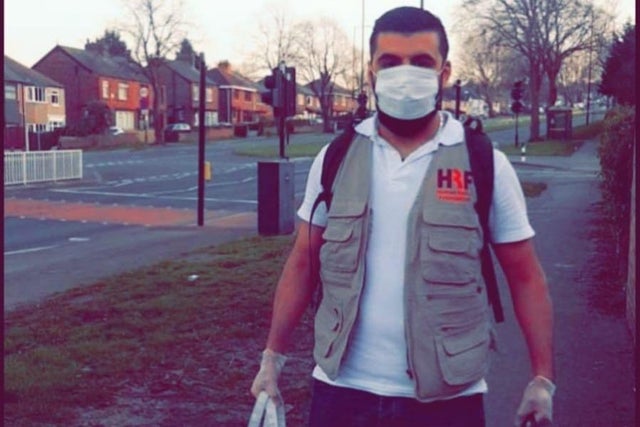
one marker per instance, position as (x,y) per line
(554,147)
(81,348)
(544,148)
(293,150)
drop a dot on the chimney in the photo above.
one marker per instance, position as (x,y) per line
(225,66)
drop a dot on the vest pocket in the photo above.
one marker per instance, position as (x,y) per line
(342,237)
(328,325)
(463,357)
(448,255)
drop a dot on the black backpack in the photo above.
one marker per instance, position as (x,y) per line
(481,158)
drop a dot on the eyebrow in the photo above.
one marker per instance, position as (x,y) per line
(420,57)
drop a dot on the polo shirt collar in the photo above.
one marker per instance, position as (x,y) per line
(450,133)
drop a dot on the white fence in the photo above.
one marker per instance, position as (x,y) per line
(40,166)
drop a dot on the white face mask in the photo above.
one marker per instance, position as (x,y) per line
(407,92)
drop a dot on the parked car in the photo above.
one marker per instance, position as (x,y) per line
(179,127)
(115,130)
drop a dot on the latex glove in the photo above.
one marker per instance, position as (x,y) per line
(267,378)
(537,401)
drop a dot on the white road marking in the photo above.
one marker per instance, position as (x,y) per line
(25,251)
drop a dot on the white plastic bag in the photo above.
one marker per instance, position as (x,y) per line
(267,413)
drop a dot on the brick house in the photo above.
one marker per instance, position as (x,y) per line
(33,104)
(89,77)
(341,100)
(181,80)
(239,97)
(307,103)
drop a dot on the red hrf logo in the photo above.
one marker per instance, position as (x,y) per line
(453,185)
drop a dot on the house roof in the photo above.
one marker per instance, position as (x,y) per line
(16,72)
(231,79)
(188,71)
(104,65)
(337,89)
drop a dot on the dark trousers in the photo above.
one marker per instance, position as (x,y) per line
(343,407)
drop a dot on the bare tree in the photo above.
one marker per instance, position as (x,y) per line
(545,32)
(485,64)
(572,27)
(572,80)
(326,57)
(157,29)
(274,41)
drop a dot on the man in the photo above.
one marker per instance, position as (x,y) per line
(403,331)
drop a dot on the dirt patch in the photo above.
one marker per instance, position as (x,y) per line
(188,391)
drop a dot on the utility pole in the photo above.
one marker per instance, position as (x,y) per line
(201,141)
(361,112)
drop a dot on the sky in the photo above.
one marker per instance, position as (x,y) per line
(222,30)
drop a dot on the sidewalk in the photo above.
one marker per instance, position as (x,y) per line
(595,369)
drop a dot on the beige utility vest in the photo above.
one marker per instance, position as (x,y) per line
(447,323)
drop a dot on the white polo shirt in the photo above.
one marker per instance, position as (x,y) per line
(376,359)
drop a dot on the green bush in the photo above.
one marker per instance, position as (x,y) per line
(616,164)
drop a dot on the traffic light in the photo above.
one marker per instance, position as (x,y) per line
(517,107)
(289,83)
(274,85)
(517,92)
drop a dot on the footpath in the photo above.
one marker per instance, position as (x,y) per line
(594,354)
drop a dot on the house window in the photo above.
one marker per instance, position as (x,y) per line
(10,92)
(210,118)
(105,89)
(236,94)
(55,97)
(35,94)
(123,90)
(37,127)
(247,96)
(209,92)
(54,124)
(195,93)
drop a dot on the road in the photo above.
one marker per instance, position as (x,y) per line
(130,209)
(134,207)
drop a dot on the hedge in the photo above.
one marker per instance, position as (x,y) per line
(616,163)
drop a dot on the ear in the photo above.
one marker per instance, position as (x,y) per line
(370,77)
(446,73)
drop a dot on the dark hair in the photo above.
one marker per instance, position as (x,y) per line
(409,20)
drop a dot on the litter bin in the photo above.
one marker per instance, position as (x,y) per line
(559,123)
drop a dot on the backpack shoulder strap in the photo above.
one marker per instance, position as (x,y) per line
(480,151)
(336,151)
(333,157)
